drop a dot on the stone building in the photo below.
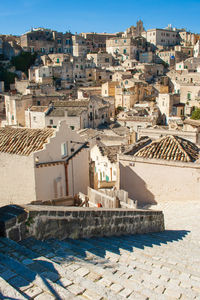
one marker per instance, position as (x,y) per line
(96,41)
(49,164)
(135,31)
(46,41)
(106,168)
(170,56)
(122,46)
(100,59)
(163,37)
(79,45)
(78,114)
(167,103)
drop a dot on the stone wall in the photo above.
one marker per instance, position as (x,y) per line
(45,222)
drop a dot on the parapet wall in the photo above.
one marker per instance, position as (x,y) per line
(43,222)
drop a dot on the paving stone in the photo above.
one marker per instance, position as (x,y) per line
(50,275)
(104,282)
(82,272)
(33,291)
(116,288)
(7,274)
(44,296)
(91,295)
(7,291)
(64,282)
(20,283)
(76,289)
(172,293)
(125,293)
(93,276)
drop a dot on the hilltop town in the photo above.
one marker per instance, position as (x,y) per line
(100,164)
(129,100)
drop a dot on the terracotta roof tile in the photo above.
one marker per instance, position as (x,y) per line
(170,148)
(23,141)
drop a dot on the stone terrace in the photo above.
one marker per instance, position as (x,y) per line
(150,266)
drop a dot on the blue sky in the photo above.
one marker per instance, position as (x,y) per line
(18,16)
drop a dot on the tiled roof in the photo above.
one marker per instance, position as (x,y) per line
(109,151)
(170,148)
(23,141)
(134,148)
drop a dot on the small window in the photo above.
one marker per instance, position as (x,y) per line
(189,96)
(34,118)
(38,103)
(51,122)
(64,149)
(72,127)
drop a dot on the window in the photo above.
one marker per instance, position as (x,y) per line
(64,151)
(189,96)
(115,41)
(107,60)
(34,118)
(58,60)
(59,41)
(99,77)
(124,51)
(124,41)
(51,122)
(38,103)
(72,127)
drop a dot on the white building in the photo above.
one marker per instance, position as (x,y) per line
(42,164)
(106,167)
(163,37)
(197,49)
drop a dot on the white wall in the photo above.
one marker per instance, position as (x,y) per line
(46,176)
(17,181)
(151,182)
(50,182)
(103,165)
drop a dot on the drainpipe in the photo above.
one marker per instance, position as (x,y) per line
(66,179)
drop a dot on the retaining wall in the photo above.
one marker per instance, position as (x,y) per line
(43,222)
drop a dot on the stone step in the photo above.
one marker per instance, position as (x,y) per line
(76,272)
(26,278)
(9,292)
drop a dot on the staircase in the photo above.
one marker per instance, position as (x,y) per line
(133,267)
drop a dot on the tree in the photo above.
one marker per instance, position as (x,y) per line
(7,77)
(24,61)
(196,114)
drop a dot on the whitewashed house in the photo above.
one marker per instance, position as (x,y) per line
(42,164)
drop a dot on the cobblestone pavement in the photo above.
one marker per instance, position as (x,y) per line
(151,266)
